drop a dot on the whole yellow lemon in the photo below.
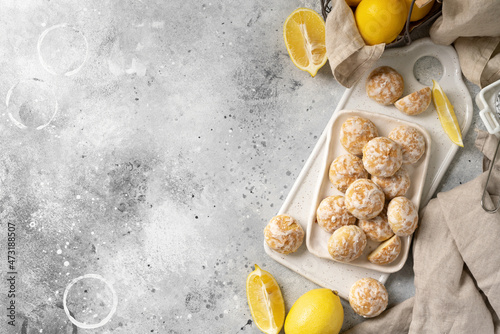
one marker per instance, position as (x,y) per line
(318,311)
(419,13)
(353,3)
(380,21)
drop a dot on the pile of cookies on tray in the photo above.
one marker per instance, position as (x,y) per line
(373,178)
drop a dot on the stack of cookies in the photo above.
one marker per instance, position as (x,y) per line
(373,180)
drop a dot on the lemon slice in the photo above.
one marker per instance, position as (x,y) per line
(446,114)
(265,301)
(304,33)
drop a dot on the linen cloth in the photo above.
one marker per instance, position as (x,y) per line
(348,55)
(461,23)
(456,255)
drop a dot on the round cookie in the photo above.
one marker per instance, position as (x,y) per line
(283,234)
(377,229)
(368,297)
(402,215)
(386,252)
(382,157)
(332,214)
(355,132)
(346,169)
(384,85)
(394,186)
(364,199)
(412,142)
(347,243)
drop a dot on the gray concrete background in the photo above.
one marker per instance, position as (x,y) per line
(172,147)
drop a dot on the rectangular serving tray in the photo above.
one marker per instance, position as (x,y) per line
(316,237)
(298,203)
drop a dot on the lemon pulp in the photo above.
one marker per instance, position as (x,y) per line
(446,114)
(265,301)
(304,34)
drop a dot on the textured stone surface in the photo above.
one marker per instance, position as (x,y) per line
(173,145)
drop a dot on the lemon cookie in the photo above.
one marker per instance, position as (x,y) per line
(382,157)
(378,228)
(368,297)
(394,186)
(386,252)
(283,234)
(415,103)
(384,85)
(332,214)
(355,132)
(346,169)
(412,142)
(347,243)
(402,215)
(364,199)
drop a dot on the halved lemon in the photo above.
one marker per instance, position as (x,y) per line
(265,301)
(446,114)
(304,33)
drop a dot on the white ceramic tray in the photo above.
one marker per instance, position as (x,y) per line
(339,276)
(316,237)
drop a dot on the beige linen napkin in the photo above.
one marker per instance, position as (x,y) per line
(456,254)
(462,23)
(347,53)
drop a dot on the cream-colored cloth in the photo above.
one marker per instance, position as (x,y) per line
(456,255)
(461,23)
(479,58)
(347,53)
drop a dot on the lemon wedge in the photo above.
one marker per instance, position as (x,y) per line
(265,301)
(304,33)
(446,114)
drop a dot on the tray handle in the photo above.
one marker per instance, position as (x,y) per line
(490,120)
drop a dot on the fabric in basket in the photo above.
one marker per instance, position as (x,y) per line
(473,26)
(347,53)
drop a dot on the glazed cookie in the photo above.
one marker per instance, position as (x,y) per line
(364,199)
(402,215)
(283,234)
(332,214)
(355,133)
(396,185)
(368,297)
(382,157)
(377,229)
(412,142)
(415,103)
(346,169)
(384,85)
(347,243)
(386,252)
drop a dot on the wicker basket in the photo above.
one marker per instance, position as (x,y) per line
(411,31)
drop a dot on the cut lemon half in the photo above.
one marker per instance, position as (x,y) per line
(446,114)
(265,301)
(304,33)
